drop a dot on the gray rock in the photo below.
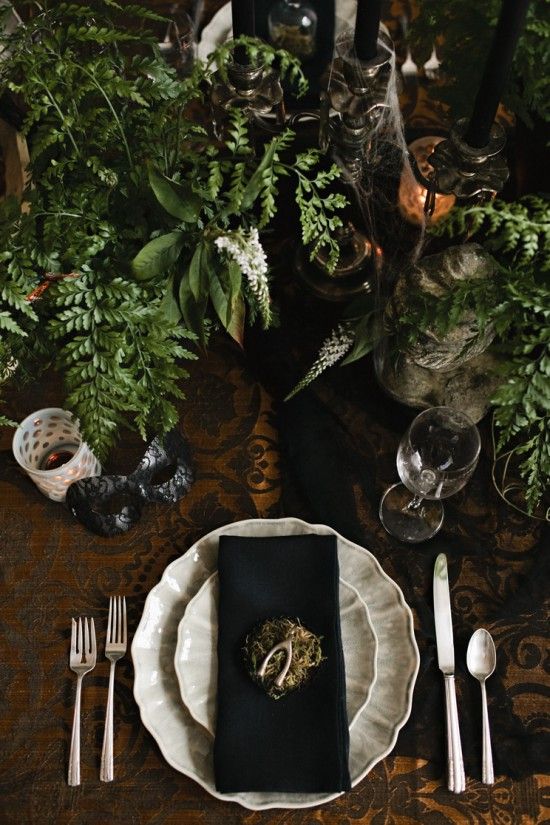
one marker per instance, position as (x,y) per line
(435,275)
(452,369)
(468,388)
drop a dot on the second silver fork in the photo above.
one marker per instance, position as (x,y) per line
(115,648)
(81,660)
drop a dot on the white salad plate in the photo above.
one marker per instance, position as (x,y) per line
(187,746)
(196,659)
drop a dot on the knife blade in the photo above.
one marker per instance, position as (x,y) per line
(456,780)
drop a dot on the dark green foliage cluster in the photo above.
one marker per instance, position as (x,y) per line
(226,192)
(96,112)
(519,230)
(517,304)
(122,173)
(463,30)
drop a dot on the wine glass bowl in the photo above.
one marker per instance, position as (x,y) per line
(436,458)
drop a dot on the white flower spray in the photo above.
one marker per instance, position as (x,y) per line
(333,348)
(248,253)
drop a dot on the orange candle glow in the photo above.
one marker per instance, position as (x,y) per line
(412,195)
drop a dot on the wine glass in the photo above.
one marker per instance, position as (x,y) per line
(436,457)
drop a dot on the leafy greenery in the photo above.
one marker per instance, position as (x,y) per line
(355,336)
(121,172)
(516,305)
(519,230)
(96,111)
(230,194)
(465,27)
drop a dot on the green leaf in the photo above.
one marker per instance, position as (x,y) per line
(169,305)
(199,270)
(254,185)
(361,306)
(235,279)
(158,255)
(179,200)
(193,311)
(236,323)
(227,299)
(364,340)
(219,295)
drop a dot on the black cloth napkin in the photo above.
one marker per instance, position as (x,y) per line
(300,742)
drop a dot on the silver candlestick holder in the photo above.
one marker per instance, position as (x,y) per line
(468,172)
(254,88)
(352,110)
(358,95)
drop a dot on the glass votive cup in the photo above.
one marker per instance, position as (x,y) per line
(49,447)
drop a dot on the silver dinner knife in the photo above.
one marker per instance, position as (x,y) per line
(456,780)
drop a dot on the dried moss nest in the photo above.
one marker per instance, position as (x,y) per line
(307,654)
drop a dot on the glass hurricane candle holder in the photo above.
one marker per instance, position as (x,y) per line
(49,447)
(293,26)
(412,195)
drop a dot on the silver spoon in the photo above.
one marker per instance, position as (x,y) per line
(481,659)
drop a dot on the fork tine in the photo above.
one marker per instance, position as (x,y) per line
(114,626)
(79,648)
(86,638)
(92,636)
(73,636)
(125,627)
(119,628)
(110,620)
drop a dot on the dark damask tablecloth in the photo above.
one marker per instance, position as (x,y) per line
(326,457)
(53,569)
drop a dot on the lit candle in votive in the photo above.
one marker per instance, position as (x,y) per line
(412,195)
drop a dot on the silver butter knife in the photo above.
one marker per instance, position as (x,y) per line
(456,780)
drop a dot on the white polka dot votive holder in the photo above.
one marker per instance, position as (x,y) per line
(49,447)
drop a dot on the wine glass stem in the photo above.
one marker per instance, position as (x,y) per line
(414,503)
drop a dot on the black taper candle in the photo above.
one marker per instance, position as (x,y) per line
(367,23)
(497,68)
(242,15)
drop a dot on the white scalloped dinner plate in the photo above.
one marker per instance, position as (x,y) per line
(196,657)
(187,746)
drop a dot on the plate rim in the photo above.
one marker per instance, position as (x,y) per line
(341,580)
(410,687)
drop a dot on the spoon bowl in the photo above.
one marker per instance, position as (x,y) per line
(481,657)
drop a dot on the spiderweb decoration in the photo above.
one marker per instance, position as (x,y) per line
(363,127)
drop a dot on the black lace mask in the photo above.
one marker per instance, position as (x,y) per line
(110,505)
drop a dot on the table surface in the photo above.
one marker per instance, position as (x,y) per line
(52,569)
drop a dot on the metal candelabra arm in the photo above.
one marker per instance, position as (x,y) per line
(467,171)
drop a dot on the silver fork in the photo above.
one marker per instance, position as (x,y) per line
(81,660)
(115,648)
